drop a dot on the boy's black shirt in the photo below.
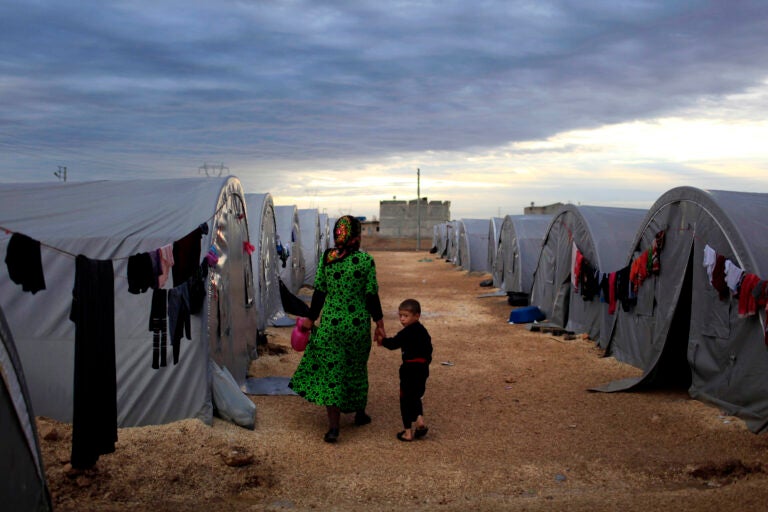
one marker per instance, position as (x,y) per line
(414,340)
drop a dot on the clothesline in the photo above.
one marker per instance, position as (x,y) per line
(9,231)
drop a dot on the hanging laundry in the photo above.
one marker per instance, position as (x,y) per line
(154,257)
(589,283)
(158,326)
(197,288)
(604,290)
(212,257)
(179,321)
(24,263)
(611,293)
(710,256)
(94,409)
(282,252)
(624,290)
(760,293)
(733,275)
(718,277)
(575,266)
(140,273)
(747,302)
(166,263)
(638,271)
(186,254)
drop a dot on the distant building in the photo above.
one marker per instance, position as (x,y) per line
(370,227)
(400,218)
(542,210)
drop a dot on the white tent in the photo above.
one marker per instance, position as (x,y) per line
(473,245)
(289,237)
(309,220)
(266,263)
(23,485)
(107,222)
(603,236)
(679,328)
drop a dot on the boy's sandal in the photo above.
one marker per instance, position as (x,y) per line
(420,432)
(401,437)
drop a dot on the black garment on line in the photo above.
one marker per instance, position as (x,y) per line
(158,326)
(24,263)
(94,417)
(186,254)
(141,275)
(179,321)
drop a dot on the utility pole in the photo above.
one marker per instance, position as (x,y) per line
(418,209)
(61,173)
(217,168)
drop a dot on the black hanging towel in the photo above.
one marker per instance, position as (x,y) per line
(94,422)
(24,263)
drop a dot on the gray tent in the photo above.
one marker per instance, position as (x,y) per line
(680,331)
(494,232)
(309,221)
(266,264)
(452,242)
(603,235)
(112,221)
(289,236)
(23,485)
(472,252)
(520,240)
(440,239)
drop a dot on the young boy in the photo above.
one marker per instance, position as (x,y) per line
(416,346)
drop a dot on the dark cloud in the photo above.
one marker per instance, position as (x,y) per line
(166,85)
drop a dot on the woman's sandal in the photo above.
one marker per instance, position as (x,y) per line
(420,432)
(331,436)
(401,437)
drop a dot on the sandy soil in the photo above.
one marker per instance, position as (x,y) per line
(512,427)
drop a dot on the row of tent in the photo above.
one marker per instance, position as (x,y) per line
(256,246)
(677,326)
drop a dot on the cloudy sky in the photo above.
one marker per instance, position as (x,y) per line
(335,104)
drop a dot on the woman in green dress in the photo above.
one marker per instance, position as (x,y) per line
(333,371)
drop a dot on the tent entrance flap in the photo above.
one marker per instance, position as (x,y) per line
(671,369)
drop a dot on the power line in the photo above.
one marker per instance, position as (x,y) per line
(213,168)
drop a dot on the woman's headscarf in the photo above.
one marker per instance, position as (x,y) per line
(346,237)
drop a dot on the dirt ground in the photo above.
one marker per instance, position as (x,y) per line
(512,427)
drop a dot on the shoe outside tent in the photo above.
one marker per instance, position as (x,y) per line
(697,321)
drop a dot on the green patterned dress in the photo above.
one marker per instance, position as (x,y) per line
(334,367)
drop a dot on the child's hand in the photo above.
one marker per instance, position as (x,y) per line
(379,334)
